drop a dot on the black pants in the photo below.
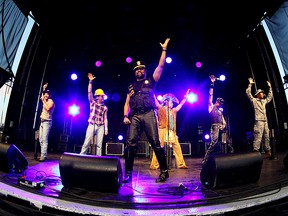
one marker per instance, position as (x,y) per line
(146,122)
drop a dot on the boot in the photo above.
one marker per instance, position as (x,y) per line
(267,154)
(231,149)
(128,177)
(163,176)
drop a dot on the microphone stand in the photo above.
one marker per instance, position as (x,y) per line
(168,147)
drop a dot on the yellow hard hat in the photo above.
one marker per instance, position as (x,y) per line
(99,92)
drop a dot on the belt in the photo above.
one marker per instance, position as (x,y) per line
(141,111)
(44,120)
(95,124)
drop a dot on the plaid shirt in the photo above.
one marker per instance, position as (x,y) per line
(97,113)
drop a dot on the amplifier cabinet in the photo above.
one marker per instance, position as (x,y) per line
(186,149)
(114,149)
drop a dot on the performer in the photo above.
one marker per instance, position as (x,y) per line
(48,107)
(261,129)
(140,105)
(167,128)
(218,122)
(98,121)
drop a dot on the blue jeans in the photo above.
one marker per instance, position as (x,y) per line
(98,132)
(44,130)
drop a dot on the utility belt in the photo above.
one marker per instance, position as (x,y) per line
(219,125)
(93,123)
(45,120)
(141,111)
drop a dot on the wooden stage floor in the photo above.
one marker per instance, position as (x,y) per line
(182,194)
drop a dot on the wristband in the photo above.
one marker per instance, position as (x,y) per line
(90,81)
(164,49)
(125,116)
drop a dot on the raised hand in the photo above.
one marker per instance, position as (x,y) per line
(212,78)
(269,84)
(165,44)
(91,76)
(45,86)
(251,81)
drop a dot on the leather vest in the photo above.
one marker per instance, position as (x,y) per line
(215,115)
(142,96)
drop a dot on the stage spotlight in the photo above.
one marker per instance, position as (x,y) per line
(74,110)
(98,63)
(129,60)
(74,76)
(198,64)
(222,78)
(207,136)
(168,60)
(192,98)
(159,98)
(120,137)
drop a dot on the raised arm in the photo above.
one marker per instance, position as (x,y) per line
(270,94)
(90,94)
(43,89)
(183,101)
(158,70)
(210,98)
(248,90)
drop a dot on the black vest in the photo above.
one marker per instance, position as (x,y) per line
(142,96)
(215,115)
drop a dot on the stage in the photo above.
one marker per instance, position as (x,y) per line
(182,194)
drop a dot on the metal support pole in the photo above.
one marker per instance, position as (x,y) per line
(273,146)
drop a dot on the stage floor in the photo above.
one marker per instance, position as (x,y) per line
(182,194)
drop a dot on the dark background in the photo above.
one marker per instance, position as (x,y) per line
(71,35)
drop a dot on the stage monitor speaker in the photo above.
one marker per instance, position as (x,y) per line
(96,173)
(12,159)
(231,169)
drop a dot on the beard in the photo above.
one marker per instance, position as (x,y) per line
(140,75)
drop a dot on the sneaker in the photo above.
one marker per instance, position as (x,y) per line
(128,177)
(163,176)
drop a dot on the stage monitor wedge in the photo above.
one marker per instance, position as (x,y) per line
(91,172)
(231,169)
(12,159)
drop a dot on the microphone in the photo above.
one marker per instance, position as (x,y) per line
(182,186)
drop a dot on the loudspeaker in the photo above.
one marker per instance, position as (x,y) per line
(12,159)
(116,149)
(232,169)
(96,173)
